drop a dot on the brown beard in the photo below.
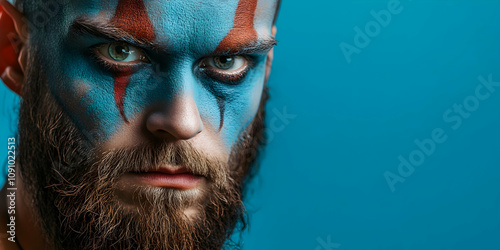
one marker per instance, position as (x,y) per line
(73,189)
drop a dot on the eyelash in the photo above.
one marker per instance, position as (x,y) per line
(232,79)
(115,68)
(205,71)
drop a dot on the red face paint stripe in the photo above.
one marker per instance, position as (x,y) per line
(132,17)
(121,82)
(243,31)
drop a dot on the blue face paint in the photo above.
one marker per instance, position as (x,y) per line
(180,40)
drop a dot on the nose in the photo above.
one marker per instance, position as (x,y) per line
(177,120)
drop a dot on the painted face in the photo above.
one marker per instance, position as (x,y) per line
(130,71)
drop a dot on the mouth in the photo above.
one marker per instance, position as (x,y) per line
(177,178)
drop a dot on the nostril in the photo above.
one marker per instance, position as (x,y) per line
(161,131)
(165,125)
(179,119)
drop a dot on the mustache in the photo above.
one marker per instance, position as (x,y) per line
(151,157)
(108,166)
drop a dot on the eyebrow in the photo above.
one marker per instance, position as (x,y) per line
(260,46)
(85,25)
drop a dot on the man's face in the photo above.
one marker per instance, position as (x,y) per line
(132,71)
(146,112)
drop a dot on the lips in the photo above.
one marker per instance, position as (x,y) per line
(177,178)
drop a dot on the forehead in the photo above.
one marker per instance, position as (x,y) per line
(180,23)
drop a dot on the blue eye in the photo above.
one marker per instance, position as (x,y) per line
(227,63)
(120,52)
(228,69)
(223,62)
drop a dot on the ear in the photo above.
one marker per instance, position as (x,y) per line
(270,56)
(12,51)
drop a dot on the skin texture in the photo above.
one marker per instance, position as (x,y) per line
(112,98)
(84,199)
(94,121)
(243,23)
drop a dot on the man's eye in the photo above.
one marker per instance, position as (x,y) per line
(227,63)
(120,52)
(229,69)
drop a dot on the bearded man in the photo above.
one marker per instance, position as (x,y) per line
(140,120)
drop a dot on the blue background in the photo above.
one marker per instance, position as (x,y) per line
(322,183)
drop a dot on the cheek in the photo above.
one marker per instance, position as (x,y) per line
(92,104)
(91,108)
(86,96)
(74,100)
(241,109)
